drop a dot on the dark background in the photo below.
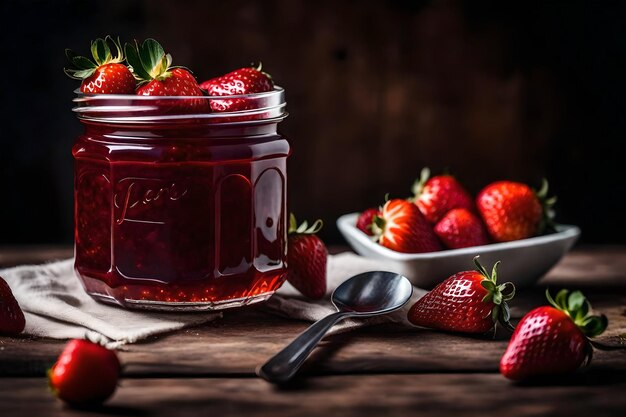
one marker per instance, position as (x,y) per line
(376,90)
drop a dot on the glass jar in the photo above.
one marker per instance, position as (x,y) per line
(180,210)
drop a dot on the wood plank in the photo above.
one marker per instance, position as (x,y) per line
(245,339)
(594,393)
(602,266)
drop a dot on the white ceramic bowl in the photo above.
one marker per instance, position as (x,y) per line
(523,261)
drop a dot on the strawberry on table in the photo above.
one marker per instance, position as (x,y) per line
(402,227)
(12,320)
(153,68)
(552,340)
(86,373)
(438,195)
(461,228)
(306,259)
(366,219)
(513,211)
(466,302)
(247,80)
(105,74)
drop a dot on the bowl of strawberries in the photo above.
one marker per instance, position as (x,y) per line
(442,228)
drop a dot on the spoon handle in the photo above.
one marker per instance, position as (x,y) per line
(284,365)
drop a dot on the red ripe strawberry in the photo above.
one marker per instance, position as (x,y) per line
(461,228)
(180,82)
(12,320)
(105,74)
(438,195)
(85,373)
(402,227)
(467,302)
(365,220)
(513,211)
(552,340)
(153,67)
(306,259)
(247,80)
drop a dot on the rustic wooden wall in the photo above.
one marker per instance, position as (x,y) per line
(378,89)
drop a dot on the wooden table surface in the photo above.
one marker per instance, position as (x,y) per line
(383,370)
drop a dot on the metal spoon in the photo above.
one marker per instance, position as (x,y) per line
(363,295)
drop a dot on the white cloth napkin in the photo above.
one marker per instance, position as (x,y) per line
(56,306)
(289,303)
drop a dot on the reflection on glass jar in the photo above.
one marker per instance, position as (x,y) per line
(180,211)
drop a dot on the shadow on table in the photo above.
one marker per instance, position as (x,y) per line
(110,410)
(594,376)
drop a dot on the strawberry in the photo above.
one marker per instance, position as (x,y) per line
(552,340)
(12,320)
(105,74)
(152,67)
(513,211)
(86,373)
(467,302)
(306,259)
(461,228)
(365,220)
(247,80)
(402,227)
(438,195)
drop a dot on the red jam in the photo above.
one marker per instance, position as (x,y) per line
(180,212)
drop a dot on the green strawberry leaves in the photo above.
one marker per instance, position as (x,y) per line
(489,286)
(497,294)
(101,55)
(100,51)
(547,204)
(304,228)
(148,60)
(576,302)
(79,62)
(595,325)
(83,67)
(418,185)
(576,306)
(151,53)
(134,62)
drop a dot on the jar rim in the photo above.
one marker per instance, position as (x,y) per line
(254,108)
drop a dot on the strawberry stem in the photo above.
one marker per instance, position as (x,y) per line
(497,294)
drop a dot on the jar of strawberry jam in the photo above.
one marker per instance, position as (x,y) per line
(178,207)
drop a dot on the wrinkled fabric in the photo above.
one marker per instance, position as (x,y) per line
(56,306)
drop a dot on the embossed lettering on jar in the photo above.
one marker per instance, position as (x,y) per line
(177,211)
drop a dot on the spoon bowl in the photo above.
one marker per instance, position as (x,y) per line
(364,295)
(372,293)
